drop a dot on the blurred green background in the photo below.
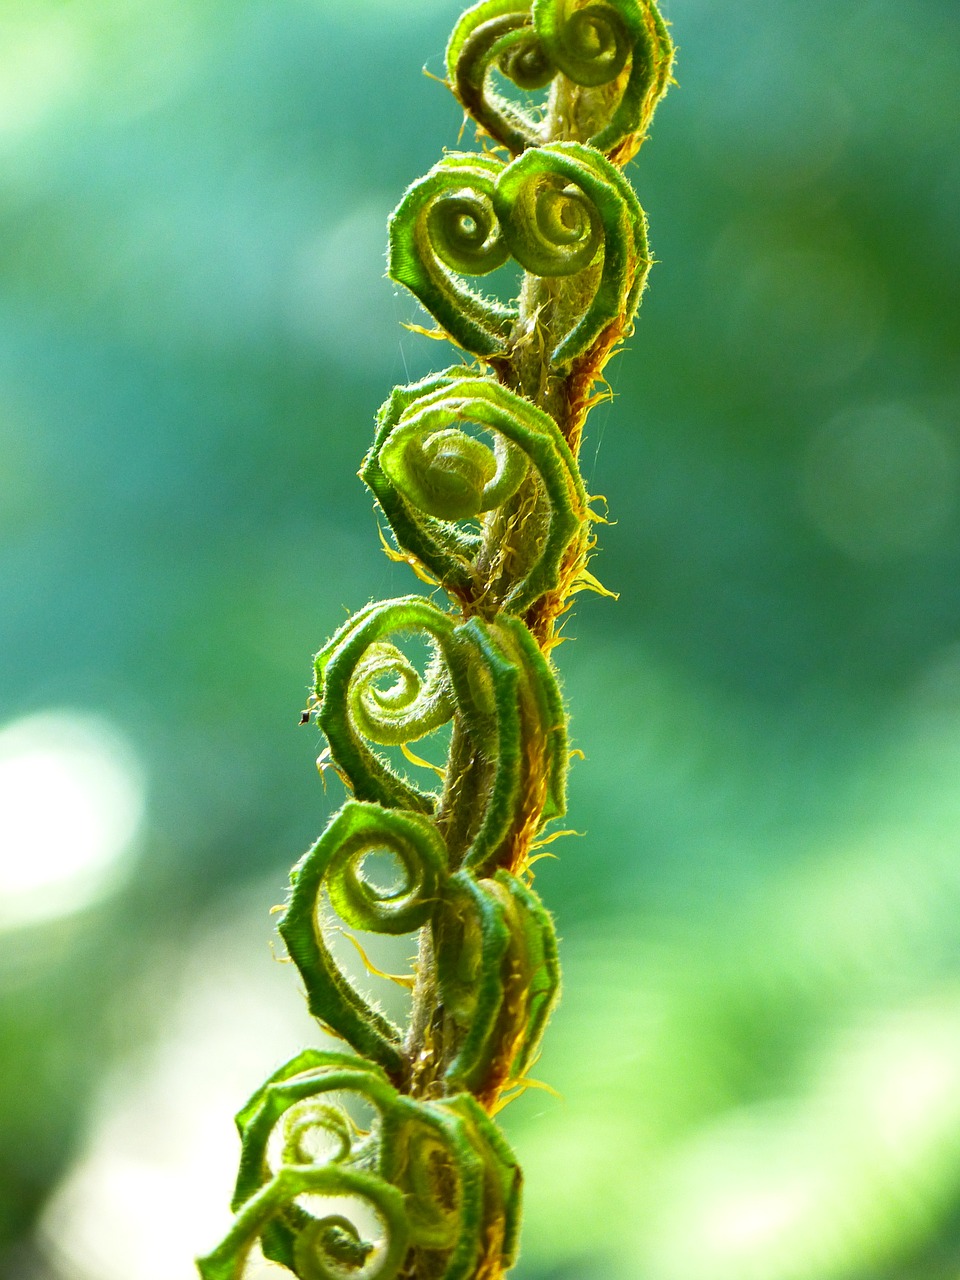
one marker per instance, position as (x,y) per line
(759,1048)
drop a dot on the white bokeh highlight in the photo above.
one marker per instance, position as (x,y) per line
(71,805)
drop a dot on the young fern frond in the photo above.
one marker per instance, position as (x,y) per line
(475,472)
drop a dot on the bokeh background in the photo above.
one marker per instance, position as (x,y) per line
(758,1053)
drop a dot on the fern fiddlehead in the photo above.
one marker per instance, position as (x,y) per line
(475,471)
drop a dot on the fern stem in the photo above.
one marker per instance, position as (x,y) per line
(475,471)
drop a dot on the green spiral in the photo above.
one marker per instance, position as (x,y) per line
(612,57)
(433,1173)
(334,866)
(427,487)
(357,701)
(383,1162)
(561,210)
(446,228)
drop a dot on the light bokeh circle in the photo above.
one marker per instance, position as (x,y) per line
(71,805)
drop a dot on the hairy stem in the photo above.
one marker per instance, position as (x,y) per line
(475,471)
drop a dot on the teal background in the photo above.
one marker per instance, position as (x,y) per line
(759,1048)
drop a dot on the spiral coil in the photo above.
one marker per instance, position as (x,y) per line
(384,1163)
